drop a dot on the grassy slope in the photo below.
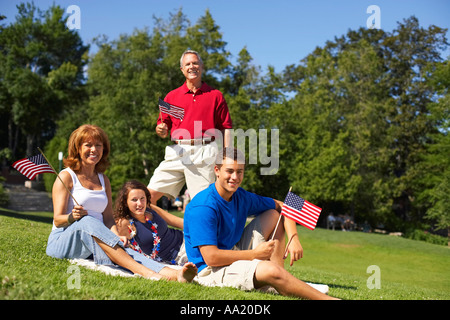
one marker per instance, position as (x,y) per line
(409,269)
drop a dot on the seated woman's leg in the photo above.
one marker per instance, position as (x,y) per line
(118,255)
(77,242)
(90,236)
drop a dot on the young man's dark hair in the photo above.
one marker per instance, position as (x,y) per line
(231,153)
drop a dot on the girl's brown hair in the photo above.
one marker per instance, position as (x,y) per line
(121,210)
(77,138)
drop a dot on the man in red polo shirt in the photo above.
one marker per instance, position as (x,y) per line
(206,117)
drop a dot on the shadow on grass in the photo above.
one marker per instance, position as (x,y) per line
(33,216)
(337,286)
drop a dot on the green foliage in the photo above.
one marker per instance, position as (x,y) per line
(427,237)
(41,67)
(362,108)
(433,180)
(4,197)
(363,120)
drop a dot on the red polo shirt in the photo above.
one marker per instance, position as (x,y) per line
(207,106)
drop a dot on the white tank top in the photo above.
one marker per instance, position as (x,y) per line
(94,201)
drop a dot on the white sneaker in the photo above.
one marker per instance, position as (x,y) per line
(319,287)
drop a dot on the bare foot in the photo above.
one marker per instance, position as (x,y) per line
(187,273)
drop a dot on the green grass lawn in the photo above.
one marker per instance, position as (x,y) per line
(409,270)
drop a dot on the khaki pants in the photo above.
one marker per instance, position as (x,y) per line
(193,165)
(240,273)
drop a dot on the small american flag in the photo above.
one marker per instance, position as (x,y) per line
(172,110)
(31,167)
(301,211)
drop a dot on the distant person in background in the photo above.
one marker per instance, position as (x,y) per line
(88,229)
(331,221)
(348,223)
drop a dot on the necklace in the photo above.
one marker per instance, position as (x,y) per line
(156,240)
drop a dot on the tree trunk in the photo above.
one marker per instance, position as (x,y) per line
(30,145)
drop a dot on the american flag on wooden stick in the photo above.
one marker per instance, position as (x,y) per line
(32,166)
(301,211)
(172,110)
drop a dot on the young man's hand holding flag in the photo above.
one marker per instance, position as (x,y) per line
(300,211)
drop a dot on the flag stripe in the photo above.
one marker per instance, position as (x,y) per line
(178,115)
(169,106)
(301,211)
(170,110)
(310,209)
(174,111)
(311,213)
(306,218)
(292,212)
(37,170)
(301,221)
(32,166)
(313,206)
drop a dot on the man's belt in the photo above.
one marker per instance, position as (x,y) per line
(195,142)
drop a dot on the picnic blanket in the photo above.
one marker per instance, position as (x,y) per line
(112,270)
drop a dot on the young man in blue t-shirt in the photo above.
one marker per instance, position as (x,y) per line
(225,251)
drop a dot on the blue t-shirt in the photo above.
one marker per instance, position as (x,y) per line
(211,220)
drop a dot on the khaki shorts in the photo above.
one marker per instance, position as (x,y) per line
(193,165)
(181,258)
(240,273)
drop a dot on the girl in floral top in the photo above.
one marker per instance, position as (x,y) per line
(147,226)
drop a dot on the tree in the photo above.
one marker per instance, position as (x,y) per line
(206,38)
(433,185)
(41,72)
(361,112)
(412,54)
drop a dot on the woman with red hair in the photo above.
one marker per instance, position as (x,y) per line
(83,225)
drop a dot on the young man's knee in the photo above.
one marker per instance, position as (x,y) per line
(269,272)
(269,220)
(271,214)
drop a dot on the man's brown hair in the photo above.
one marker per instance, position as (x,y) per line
(230,153)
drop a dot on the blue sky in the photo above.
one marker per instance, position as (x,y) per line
(276,33)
